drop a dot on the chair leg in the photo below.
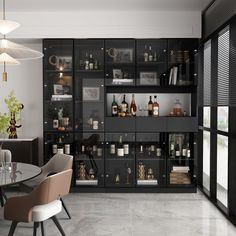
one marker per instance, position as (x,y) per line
(13,227)
(64,206)
(1,197)
(42,228)
(36,225)
(55,220)
(4,194)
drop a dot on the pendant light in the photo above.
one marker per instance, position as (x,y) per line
(11,52)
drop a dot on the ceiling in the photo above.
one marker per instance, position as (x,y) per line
(76,5)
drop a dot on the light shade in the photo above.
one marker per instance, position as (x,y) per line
(7,26)
(5,58)
(17,51)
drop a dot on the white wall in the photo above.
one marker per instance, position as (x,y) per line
(26,81)
(105,24)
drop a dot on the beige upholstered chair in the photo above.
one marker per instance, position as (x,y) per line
(56,164)
(41,204)
(5,156)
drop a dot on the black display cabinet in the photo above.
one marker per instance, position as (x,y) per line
(123,152)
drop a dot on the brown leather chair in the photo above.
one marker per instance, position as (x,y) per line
(41,204)
(56,164)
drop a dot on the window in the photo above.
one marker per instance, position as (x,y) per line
(206,160)
(222,169)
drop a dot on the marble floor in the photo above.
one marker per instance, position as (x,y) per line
(96,214)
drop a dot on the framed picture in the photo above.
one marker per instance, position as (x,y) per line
(58,89)
(91,94)
(123,55)
(149,78)
(117,74)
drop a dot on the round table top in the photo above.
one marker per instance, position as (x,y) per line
(18,172)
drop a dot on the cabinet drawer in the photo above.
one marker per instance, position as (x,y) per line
(120,124)
(182,124)
(151,124)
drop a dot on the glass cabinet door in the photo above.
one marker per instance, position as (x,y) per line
(89,159)
(120,62)
(180,164)
(89,104)
(120,159)
(150,159)
(151,61)
(182,62)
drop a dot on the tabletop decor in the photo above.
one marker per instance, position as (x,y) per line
(8,122)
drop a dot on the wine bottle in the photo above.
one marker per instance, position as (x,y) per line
(145,55)
(91,62)
(172,147)
(155,107)
(150,56)
(150,103)
(124,106)
(86,62)
(177,151)
(184,151)
(188,151)
(120,149)
(114,107)
(133,107)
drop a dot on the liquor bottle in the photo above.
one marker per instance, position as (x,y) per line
(91,62)
(114,107)
(124,106)
(188,151)
(86,62)
(150,103)
(177,151)
(184,151)
(158,150)
(150,56)
(172,147)
(120,149)
(155,107)
(155,56)
(145,55)
(133,107)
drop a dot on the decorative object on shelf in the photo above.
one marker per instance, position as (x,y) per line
(150,174)
(178,109)
(91,173)
(117,179)
(91,93)
(58,89)
(128,175)
(121,55)
(60,63)
(149,78)
(11,52)
(15,108)
(82,171)
(141,171)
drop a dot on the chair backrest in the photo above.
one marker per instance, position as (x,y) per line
(58,163)
(5,155)
(53,187)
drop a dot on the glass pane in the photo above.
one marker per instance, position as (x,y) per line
(207,117)
(222,169)
(223,118)
(206,160)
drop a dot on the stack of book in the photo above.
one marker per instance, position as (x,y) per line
(64,97)
(180,175)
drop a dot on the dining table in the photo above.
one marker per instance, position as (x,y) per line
(14,173)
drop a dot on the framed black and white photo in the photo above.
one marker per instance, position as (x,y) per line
(58,89)
(149,78)
(91,94)
(117,74)
(123,55)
